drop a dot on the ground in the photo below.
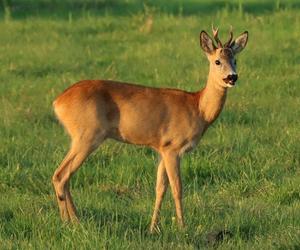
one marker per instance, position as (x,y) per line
(242,179)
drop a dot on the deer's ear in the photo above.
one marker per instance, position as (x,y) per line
(240,43)
(206,43)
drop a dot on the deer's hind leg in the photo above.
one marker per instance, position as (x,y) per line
(81,147)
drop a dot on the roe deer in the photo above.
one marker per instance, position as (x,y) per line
(170,121)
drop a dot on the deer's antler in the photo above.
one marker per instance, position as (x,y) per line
(215,34)
(228,43)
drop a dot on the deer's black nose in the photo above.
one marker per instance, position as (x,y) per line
(232,78)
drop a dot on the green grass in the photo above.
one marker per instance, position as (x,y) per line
(243,177)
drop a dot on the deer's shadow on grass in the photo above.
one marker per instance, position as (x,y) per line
(116,221)
(136,225)
(132,223)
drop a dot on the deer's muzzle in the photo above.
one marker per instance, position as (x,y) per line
(231,79)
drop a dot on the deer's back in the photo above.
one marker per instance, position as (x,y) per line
(130,113)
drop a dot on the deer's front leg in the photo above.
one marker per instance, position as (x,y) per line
(161,187)
(172,165)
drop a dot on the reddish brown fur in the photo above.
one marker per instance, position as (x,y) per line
(168,120)
(151,112)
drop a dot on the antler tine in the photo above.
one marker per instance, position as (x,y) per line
(215,31)
(215,34)
(228,43)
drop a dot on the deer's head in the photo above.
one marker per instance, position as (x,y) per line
(222,57)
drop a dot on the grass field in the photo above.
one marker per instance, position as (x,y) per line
(243,177)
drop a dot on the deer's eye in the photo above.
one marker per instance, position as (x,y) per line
(217,62)
(234,62)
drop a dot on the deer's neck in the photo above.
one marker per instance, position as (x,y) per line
(211,99)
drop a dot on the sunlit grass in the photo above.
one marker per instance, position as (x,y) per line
(244,175)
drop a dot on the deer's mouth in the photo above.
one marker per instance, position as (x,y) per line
(229,81)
